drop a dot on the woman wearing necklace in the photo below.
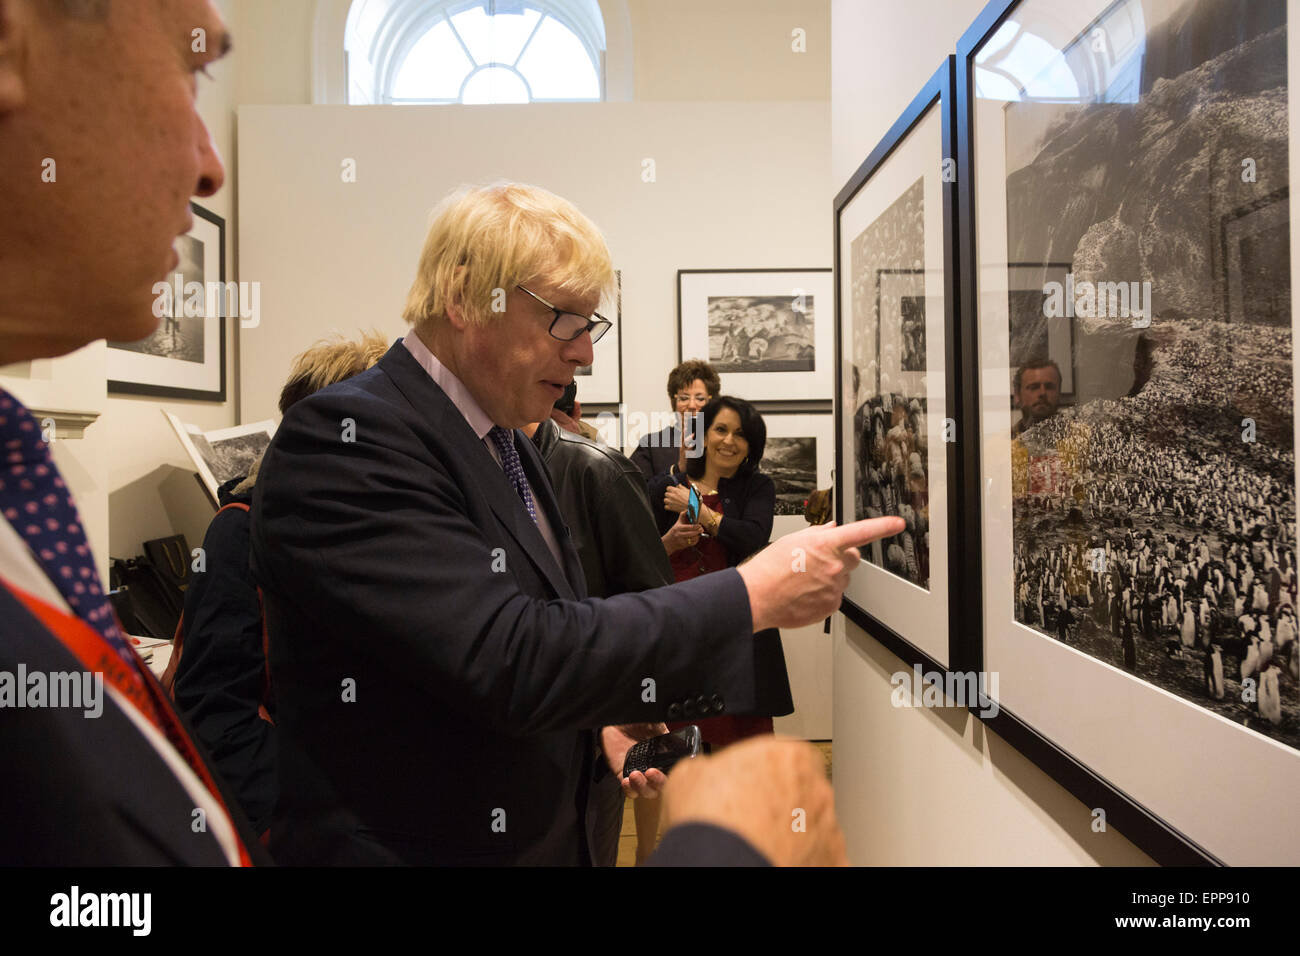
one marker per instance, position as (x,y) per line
(736,505)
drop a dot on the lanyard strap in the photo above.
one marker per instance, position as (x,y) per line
(135,684)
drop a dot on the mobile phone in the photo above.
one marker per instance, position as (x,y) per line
(693,496)
(662,752)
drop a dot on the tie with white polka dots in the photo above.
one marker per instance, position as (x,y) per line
(505,441)
(35,502)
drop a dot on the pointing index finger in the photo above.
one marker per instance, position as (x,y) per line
(856,533)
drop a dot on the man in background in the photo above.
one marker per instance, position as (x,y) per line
(603,500)
(1037,392)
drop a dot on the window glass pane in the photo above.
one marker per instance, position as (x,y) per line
(557,65)
(495,39)
(496,84)
(434,68)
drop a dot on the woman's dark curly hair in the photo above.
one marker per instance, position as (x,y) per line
(752,429)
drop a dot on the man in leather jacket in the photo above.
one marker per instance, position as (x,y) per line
(603,499)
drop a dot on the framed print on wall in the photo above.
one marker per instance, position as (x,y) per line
(1139,543)
(898,382)
(601,382)
(185,357)
(767,332)
(799,458)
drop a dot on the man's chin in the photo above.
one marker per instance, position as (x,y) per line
(128,325)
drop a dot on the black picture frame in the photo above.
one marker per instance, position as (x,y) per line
(963,577)
(120,385)
(1138,823)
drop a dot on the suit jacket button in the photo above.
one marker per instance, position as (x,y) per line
(674,711)
(702,704)
(717,704)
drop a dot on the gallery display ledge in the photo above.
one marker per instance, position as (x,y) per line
(68,423)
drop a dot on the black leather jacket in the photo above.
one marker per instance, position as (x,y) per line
(603,499)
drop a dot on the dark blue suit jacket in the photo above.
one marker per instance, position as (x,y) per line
(88,791)
(437,675)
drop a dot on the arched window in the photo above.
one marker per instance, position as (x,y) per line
(475,51)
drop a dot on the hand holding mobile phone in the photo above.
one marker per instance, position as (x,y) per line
(693,506)
(660,753)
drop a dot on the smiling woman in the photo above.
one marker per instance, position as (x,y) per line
(736,504)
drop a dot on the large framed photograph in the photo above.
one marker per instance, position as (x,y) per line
(601,382)
(767,332)
(1125,168)
(899,381)
(185,357)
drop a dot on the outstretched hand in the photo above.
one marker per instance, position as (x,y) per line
(800,579)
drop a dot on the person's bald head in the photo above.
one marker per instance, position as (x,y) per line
(101,148)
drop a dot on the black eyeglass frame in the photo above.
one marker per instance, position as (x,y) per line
(597,324)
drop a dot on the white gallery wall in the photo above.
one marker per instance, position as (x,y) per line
(927,786)
(130,475)
(735,185)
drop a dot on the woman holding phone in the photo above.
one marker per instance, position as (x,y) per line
(732,504)
(713,517)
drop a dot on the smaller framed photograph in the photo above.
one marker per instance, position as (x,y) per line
(769,333)
(799,458)
(185,357)
(601,382)
(224,453)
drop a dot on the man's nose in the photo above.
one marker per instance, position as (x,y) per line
(580,349)
(212,174)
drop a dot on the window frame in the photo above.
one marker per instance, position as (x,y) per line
(359,45)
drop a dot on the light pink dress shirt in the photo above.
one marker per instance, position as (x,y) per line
(480,422)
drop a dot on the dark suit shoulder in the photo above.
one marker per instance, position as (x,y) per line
(84,788)
(702,844)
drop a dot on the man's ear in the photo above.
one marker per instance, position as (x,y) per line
(456,300)
(15,22)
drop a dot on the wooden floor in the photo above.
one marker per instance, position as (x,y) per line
(627,841)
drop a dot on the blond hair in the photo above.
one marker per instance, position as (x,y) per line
(329,361)
(485,240)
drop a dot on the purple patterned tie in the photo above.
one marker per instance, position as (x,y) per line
(514,469)
(36,503)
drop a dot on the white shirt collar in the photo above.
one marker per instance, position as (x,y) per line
(460,395)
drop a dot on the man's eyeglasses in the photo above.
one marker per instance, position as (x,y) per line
(569,325)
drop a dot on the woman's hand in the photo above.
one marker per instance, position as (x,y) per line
(681,535)
(709,520)
(677,498)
